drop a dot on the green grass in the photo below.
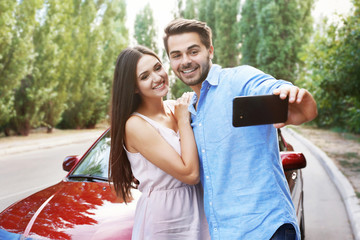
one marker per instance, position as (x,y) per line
(345,134)
(353,137)
(357,194)
(350,155)
(349,162)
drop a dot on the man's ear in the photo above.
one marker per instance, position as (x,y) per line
(211,52)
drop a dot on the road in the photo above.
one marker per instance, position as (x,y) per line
(25,173)
(325,215)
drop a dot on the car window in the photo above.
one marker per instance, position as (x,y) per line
(96,162)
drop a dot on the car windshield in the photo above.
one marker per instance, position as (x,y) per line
(96,162)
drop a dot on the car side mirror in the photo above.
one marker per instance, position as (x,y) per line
(293,160)
(70,162)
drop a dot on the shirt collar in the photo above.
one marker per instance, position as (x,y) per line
(191,107)
(212,79)
(213,76)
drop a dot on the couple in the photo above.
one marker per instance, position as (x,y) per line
(171,146)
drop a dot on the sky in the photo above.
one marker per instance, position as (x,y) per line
(329,8)
(162,10)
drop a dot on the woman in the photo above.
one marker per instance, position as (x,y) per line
(145,144)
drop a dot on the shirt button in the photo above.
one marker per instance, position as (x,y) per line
(215,229)
(207,177)
(202,150)
(210,203)
(200,124)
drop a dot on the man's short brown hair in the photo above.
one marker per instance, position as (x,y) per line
(181,25)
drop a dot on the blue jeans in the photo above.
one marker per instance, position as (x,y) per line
(284,232)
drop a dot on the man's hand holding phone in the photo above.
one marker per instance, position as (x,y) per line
(302,106)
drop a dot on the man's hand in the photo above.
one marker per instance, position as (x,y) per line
(302,106)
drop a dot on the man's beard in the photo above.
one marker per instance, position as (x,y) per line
(205,70)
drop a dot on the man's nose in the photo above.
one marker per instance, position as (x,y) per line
(186,60)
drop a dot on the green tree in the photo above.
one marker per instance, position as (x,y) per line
(114,38)
(248,34)
(83,65)
(17,21)
(273,33)
(50,74)
(190,9)
(25,106)
(186,9)
(144,28)
(57,60)
(43,100)
(90,78)
(334,60)
(207,14)
(226,28)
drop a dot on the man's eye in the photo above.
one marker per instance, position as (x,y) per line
(194,52)
(175,56)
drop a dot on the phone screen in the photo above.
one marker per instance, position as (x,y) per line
(258,110)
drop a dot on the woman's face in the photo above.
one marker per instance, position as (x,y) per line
(152,79)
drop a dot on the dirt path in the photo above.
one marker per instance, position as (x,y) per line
(342,148)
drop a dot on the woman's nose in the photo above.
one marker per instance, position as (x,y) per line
(157,77)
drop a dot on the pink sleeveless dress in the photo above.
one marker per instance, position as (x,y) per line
(167,209)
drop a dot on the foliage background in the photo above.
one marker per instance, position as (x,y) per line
(57,56)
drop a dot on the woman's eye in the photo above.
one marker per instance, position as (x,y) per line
(143,77)
(157,68)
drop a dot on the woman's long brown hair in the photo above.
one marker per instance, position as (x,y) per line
(124,102)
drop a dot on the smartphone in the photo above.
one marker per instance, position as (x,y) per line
(258,110)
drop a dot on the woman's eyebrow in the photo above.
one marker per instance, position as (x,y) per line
(143,73)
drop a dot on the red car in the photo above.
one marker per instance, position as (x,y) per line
(84,206)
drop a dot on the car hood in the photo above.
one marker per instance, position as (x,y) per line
(71,210)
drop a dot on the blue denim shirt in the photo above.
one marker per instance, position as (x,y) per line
(246,195)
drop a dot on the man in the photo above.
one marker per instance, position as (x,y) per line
(246,195)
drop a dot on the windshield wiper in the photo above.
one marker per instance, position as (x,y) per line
(88,178)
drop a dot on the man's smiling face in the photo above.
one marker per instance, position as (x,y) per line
(189,58)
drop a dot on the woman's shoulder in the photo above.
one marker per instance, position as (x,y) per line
(134,122)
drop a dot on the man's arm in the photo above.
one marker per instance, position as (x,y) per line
(302,105)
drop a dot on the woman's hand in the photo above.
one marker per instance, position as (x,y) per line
(182,113)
